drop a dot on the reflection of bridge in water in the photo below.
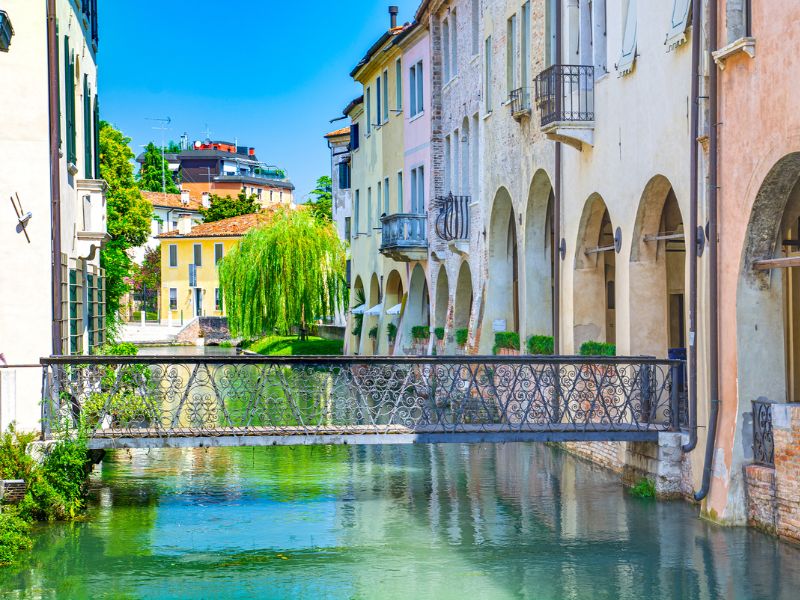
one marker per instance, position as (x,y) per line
(157,401)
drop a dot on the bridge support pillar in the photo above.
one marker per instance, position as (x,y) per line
(661,462)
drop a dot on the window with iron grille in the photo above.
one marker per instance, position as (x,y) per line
(64,320)
(95,298)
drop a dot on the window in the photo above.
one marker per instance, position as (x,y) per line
(420,106)
(488,74)
(344,175)
(76,310)
(446,49)
(447,162)
(386,195)
(354,136)
(88,162)
(218,250)
(369,210)
(357,211)
(476,8)
(454,42)
(347,228)
(418,190)
(173,255)
(173,298)
(398,85)
(628,54)
(217,299)
(69,88)
(511,54)
(399,191)
(524,49)
(378,200)
(385,97)
(174,226)
(455,170)
(550,52)
(369,111)
(738,17)
(198,255)
(415,87)
(378,104)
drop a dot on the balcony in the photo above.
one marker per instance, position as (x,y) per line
(520,102)
(452,221)
(405,236)
(90,215)
(565,99)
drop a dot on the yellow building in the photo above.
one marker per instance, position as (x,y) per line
(189,257)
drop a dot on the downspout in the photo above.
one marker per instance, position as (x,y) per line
(693,193)
(55,174)
(713,341)
(557,216)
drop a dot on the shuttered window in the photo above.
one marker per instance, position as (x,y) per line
(88,163)
(398,85)
(628,54)
(69,99)
(198,255)
(96,138)
(354,136)
(681,17)
(173,255)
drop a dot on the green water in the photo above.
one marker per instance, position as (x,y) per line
(466,522)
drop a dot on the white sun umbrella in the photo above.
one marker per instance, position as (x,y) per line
(394,310)
(375,311)
(359,310)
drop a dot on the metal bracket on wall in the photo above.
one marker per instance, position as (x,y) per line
(22,217)
(701,241)
(562,248)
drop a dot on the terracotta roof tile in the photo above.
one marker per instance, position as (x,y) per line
(338,132)
(232,227)
(171,201)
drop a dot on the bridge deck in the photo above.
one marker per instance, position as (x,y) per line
(373,434)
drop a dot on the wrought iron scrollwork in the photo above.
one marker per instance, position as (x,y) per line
(452,221)
(763,442)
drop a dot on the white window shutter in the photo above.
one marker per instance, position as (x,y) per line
(628,54)
(680,21)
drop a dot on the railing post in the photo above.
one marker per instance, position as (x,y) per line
(645,391)
(674,398)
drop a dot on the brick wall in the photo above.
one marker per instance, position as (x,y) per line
(760,496)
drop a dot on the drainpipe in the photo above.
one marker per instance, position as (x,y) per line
(713,341)
(55,174)
(557,216)
(693,193)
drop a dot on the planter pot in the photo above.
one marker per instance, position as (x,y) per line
(508,352)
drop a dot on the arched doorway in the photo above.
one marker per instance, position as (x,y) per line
(417,312)
(393,299)
(502,295)
(442,298)
(369,343)
(768,297)
(658,273)
(462,310)
(593,282)
(358,302)
(539,248)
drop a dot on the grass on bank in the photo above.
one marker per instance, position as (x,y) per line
(293,346)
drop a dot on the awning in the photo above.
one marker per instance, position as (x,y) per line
(395,310)
(359,310)
(375,311)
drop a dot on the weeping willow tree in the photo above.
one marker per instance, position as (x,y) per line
(282,274)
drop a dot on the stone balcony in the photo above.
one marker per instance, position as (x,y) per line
(404,236)
(91,216)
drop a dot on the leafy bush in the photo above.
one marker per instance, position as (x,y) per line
(391,331)
(126,404)
(505,339)
(462,335)
(117,349)
(373,333)
(226,344)
(644,488)
(148,316)
(591,348)
(439,333)
(14,535)
(540,344)
(420,332)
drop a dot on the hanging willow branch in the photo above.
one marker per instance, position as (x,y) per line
(283,274)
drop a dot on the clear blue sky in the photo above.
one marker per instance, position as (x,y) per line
(269,74)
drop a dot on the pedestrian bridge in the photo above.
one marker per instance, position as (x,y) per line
(196,401)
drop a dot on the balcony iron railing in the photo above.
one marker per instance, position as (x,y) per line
(404,230)
(520,102)
(452,222)
(763,443)
(565,93)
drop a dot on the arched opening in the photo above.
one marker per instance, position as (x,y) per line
(359,302)
(502,296)
(658,273)
(594,293)
(539,248)
(768,298)
(442,298)
(369,342)
(417,312)
(462,310)
(392,302)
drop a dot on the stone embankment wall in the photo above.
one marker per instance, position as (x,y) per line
(214,330)
(773,493)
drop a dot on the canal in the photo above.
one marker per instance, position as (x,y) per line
(448,521)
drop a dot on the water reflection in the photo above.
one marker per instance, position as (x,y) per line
(484,521)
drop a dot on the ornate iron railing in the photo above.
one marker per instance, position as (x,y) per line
(520,101)
(452,222)
(253,400)
(404,230)
(763,443)
(565,93)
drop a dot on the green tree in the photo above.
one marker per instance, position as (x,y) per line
(154,175)
(147,276)
(322,205)
(128,216)
(283,274)
(224,207)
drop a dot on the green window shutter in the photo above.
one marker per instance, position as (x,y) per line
(69,100)
(96,138)
(88,163)
(58,88)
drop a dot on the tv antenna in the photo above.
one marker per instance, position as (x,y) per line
(164,126)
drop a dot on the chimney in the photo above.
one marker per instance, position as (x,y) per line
(393,16)
(185,197)
(184,223)
(206,200)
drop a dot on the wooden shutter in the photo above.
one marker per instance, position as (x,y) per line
(88,163)
(97,138)
(681,12)
(628,54)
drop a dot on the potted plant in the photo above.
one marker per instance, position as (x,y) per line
(439,333)
(506,343)
(540,345)
(461,337)
(391,334)
(373,335)
(594,374)
(420,334)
